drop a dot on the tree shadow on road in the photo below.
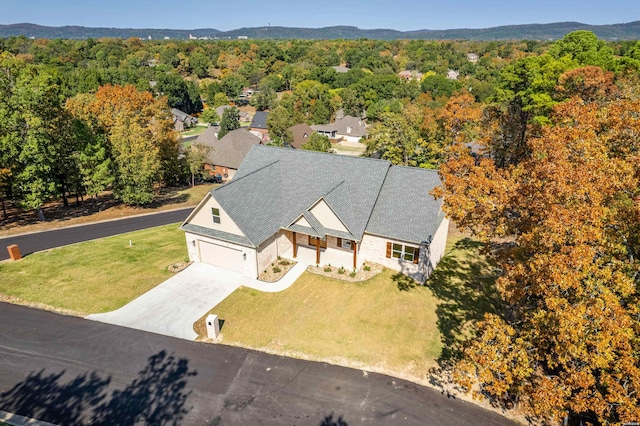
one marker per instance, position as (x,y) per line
(156,396)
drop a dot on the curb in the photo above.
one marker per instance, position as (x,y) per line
(16,420)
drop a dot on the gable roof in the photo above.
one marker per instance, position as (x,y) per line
(350,126)
(301,133)
(220,111)
(182,116)
(274,187)
(259,120)
(231,149)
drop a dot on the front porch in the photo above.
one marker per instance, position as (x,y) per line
(312,251)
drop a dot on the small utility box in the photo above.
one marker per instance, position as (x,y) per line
(14,252)
(213,326)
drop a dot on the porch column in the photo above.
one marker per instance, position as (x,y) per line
(317,251)
(295,246)
(355,253)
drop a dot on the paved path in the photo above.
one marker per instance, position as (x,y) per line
(70,371)
(30,243)
(172,307)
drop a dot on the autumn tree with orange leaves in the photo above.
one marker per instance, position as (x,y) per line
(568,217)
(139,134)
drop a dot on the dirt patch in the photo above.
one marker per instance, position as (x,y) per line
(276,270)
(367,271)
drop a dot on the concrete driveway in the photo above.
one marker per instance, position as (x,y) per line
(172,307)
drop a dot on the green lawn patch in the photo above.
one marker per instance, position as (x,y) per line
(95,276)
(388,323)
(194,131)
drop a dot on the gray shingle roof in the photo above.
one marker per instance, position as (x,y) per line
(231,149)
(275,186)
(259,120)
(405,210)
(183,116)
(221,235)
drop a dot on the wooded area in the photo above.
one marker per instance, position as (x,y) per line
(537,145)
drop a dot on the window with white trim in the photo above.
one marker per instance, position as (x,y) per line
(402,252)
(215,214)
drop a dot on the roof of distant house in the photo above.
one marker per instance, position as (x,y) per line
(340,69)
(181,115)
(220,111)
(301,133)
(231,149)
(259,120)
(367,195)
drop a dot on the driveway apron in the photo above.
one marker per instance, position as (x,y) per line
(172,307)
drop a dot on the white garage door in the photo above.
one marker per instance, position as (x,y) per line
(225,257)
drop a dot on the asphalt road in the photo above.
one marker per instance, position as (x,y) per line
(30,243)
(71,371)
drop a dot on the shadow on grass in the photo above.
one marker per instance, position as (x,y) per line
(464,284)
(156,396)
(404,282)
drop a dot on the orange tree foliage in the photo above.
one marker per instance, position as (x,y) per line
(140,135)
(568,342)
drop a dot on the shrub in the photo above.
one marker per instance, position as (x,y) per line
(285,262)
(367,268)
(341,270)
(352,274)
(276,269)
(327,268)
(279,258)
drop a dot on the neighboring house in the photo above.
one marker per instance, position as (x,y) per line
(301,133)
(349,128)
(327,130)
(320,209)
(244,116)
(341,69)
(345,127)
(410,75)
(258,125)
(182,120)
(227,153)
(472,57)
(453,75)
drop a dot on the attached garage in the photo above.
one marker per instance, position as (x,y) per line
(226,257)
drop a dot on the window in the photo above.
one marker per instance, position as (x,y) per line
(345,244)
(312,242)
(215,213)
(402,252)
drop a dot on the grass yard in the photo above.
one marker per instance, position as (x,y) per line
(194,131)
(95,276)
(386,324)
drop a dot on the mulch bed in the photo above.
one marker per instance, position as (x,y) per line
(276,270)
(362,274)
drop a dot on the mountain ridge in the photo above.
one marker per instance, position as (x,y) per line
(551,31)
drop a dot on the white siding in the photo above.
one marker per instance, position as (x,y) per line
(438,244)
(302,222)
(203,217)
(327,217)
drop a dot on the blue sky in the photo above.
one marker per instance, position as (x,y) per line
(396,14)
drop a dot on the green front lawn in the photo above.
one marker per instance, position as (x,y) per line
(386,324)
(95,276)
